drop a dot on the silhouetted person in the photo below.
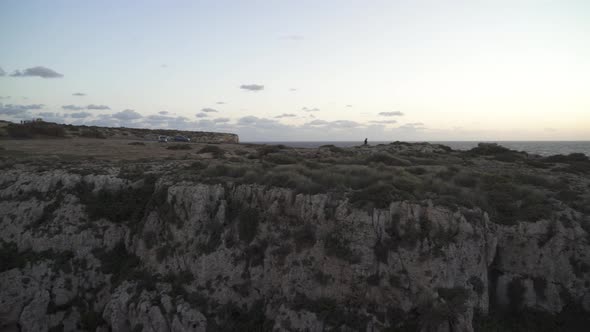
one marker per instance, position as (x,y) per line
(366,141)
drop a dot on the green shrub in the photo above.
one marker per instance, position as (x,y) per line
(379,195)
(179,147)
(387,159)
(466,180)
(478,285)
(280,158)
(92,133)
(125,205)
(516,292)
(337,246)
(248,220)
(118,262)
(304,237)
(487,149)
(216,151)
(33,129)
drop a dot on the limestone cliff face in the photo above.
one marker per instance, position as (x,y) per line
(99,252)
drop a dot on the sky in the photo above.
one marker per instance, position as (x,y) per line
(303,70)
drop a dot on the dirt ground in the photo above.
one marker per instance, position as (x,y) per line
(105,149)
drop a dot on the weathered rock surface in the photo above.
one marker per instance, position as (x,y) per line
(169,255)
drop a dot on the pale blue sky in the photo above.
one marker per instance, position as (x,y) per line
(455,69)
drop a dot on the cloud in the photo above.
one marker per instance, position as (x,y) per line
(78,94)
(89,107)
(73,107)
(97,107)
(293,37)
(252,87)
(79,115)
(317,123)
(10,109)
(209,110)
(384,122)
(413,126)
(220,102)
(247,120)
(201,115)
(49,114)
(163,112)
(338,124)
(292,89)
(395,113)
(305,109)
(127,115)
(2,72)
(38,71)
(348,105)
(221,120)
(285,115)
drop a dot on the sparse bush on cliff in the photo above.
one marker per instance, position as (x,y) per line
(335,245)
(118,262)
(125,205)
(304,237)
(248,220)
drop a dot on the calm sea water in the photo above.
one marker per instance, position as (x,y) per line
(544,148)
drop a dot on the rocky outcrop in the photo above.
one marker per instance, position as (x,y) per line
(99,252)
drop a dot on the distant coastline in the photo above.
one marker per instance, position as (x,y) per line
(543,148)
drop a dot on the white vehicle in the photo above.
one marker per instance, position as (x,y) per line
(163,139)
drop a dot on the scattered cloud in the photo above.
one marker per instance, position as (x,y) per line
(5,97)
(252,87)
(221,120)
(292,89)
(209,110)
(164,65)
(163,112)
(338,124)
(285,115)
(348,105)
(305,109)
(127,115)
(10,109)
(78,94)
(79,115)
(220,102)
(413,126)
(317,123)
(2,72)
(383,122)
(97,107)
(201,115)
(73,107)
(48,114)
(395,113)
(38,71)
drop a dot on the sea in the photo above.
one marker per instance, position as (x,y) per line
(543,148)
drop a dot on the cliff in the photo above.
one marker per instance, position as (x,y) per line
(46,130)
(402,237)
